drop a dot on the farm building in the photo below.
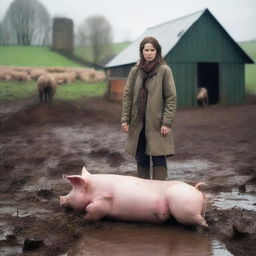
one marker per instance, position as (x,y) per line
(62,35)
(200,53)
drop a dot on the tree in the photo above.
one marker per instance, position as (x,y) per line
(96,32)
(27,22)
(2,36)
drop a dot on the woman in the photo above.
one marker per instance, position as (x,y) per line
(149,106)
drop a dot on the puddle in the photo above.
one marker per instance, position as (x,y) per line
(5,231)
(251,188)
(10,250)
(77,139)
(142,241)
(219,249)
(22,211)
(178,170)
(189,170)
(228,200)
(42,183)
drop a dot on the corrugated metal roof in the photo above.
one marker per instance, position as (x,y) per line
(168,34)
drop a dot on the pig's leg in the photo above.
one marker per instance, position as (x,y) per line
(190,218)
(199,220)
(163,212)
(187,209)
(97,210)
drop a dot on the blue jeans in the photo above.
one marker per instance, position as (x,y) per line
(142,159)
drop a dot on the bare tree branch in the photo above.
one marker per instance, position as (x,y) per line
(27,22)
(96,31)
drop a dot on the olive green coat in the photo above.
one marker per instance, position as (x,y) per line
(160,110)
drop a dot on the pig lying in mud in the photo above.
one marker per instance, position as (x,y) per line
(129,198)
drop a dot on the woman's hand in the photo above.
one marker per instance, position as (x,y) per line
(165,130)
(125,127)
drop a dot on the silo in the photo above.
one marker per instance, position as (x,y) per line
(62,35)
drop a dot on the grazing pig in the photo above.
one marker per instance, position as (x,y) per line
(46,87)
(129,198)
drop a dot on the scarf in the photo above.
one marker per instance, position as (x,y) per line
(147,70)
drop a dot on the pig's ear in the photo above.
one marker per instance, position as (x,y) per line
(85,172)
(76,180)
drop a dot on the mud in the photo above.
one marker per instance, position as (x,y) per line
(41,142)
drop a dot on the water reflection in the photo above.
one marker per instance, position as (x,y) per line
(228,200)
(130,240)
(219,249)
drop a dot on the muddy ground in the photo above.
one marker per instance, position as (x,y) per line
(41,142)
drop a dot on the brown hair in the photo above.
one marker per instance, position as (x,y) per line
(155,44)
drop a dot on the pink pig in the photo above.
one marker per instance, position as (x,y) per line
(128,198)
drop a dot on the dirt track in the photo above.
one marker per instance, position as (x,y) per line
(40,142)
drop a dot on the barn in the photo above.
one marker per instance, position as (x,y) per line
(200,53)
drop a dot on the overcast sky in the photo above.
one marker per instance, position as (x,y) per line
(130,18)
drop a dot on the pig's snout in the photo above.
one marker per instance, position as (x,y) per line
(63,201)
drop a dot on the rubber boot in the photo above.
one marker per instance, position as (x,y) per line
(143,172)
(159,172)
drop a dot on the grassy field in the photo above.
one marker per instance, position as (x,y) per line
(85,52)
(16,90)
(72,91)
(42,56)
(250,48)
(32,56)
(79,90)
(250,69)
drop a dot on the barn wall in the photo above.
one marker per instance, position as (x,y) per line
(231,83)
(120,71)
(116,79)
(232,89)
(206,41)
(185,80)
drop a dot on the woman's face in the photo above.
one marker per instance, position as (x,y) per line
(149,52)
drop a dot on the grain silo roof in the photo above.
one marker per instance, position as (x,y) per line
(168,34)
